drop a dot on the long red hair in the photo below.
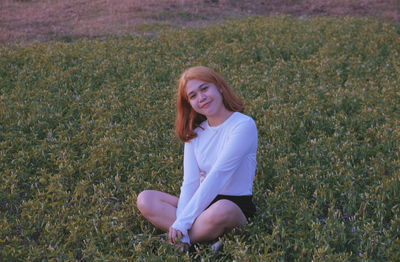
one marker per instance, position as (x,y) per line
(186,118)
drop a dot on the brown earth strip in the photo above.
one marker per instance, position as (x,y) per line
(27,21)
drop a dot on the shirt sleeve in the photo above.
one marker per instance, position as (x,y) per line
(191,177)
(242,140)
(191,181)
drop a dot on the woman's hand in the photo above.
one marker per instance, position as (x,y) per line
(173,235)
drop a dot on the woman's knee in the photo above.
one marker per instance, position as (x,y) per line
(144,201)
(224,212)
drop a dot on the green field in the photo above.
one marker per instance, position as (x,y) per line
(86,126)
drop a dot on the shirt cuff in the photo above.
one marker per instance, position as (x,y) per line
(186,239)
(185,233)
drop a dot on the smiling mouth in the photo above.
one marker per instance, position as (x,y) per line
(205,105)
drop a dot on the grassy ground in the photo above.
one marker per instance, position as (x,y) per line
(85,126)
(27,21)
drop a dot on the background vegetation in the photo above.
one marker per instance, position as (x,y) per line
(86,126)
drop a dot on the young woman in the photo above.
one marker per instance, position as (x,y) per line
(219,163)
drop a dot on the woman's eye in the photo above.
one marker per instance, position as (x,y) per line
(192,96)
(204,88)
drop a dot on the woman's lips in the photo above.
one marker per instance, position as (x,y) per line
(205,105)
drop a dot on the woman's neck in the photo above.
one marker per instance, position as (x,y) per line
(220,118)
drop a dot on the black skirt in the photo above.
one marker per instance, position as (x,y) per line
(245,203)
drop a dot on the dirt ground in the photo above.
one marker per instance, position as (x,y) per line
(28,21)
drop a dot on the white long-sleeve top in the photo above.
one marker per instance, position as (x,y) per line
(227,155)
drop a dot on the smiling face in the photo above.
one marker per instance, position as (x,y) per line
(205,98)
(203,95)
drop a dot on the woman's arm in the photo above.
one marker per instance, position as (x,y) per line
(191,181)
(242,141)
(191,178)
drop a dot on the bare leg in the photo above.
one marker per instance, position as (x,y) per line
(219,218)
(158,207)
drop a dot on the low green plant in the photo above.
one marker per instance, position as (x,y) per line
(85,126)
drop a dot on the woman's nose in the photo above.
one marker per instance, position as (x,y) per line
(202,97)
